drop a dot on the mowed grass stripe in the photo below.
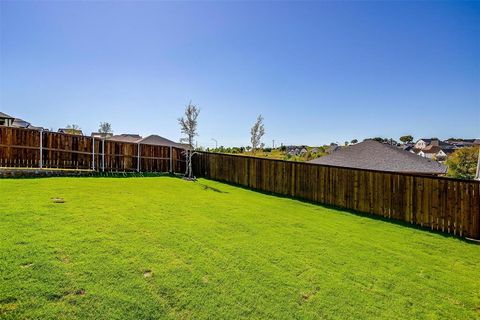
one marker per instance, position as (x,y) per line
(147,248)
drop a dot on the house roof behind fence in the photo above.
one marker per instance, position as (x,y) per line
(126,137)
(373,155)
(4,115)
(161,141)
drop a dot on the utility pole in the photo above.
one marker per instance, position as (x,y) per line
(273,143)
(477,176)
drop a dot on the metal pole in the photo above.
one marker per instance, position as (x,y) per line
(93,153)
(138,158)
(477,176)
(171,159)
(41,148)
(103,154)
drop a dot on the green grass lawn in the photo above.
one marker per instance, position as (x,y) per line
(150,248)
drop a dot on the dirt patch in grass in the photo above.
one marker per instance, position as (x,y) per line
(58,200)
(7,305)
(147,273)
(26,265)
(305,296)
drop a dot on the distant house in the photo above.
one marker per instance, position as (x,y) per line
(293,152)
(373,155)
(464,142)
(423,143)
(126,137)
(101,135)
(161,141)
(333,148)
(6,120)
(20,123)
(76,132)
(431,152)
(151,139)
(437,152)
(410,147)
(296,150)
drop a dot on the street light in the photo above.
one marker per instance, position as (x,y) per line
(216,143)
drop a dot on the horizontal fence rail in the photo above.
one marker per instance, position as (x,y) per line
(442,204)
(43,149)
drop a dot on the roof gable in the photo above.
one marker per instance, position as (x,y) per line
(161,141)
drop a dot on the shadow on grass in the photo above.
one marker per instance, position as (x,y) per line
(209,188)
(359,214)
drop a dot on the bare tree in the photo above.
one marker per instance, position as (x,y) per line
(105,127)
(188,126)
(257,132)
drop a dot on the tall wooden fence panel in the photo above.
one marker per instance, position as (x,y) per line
(19,147)
(44,149)
(443,204)
(68,151)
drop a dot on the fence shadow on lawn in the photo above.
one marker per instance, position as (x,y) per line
(433,203)
(363,215)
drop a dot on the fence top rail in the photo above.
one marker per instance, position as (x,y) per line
(408,174)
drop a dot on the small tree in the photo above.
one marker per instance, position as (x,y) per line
(463,162)
(354,141)
(105,128)
(188,126)
(406,139)
(257,132)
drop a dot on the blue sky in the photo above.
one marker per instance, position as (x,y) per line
(317,71)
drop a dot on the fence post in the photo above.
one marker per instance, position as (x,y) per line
(93,153)
(171,159)
(138,157)
(103,154)
(41,149)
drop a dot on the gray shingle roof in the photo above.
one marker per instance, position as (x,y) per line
(151,139)
(20,123)
(161,141)
(373,155)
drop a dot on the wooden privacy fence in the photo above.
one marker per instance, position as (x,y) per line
(43,149)
(443,204)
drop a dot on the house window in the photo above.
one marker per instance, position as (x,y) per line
(2,122)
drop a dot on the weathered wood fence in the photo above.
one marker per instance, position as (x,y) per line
(443,204)
(43,149)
